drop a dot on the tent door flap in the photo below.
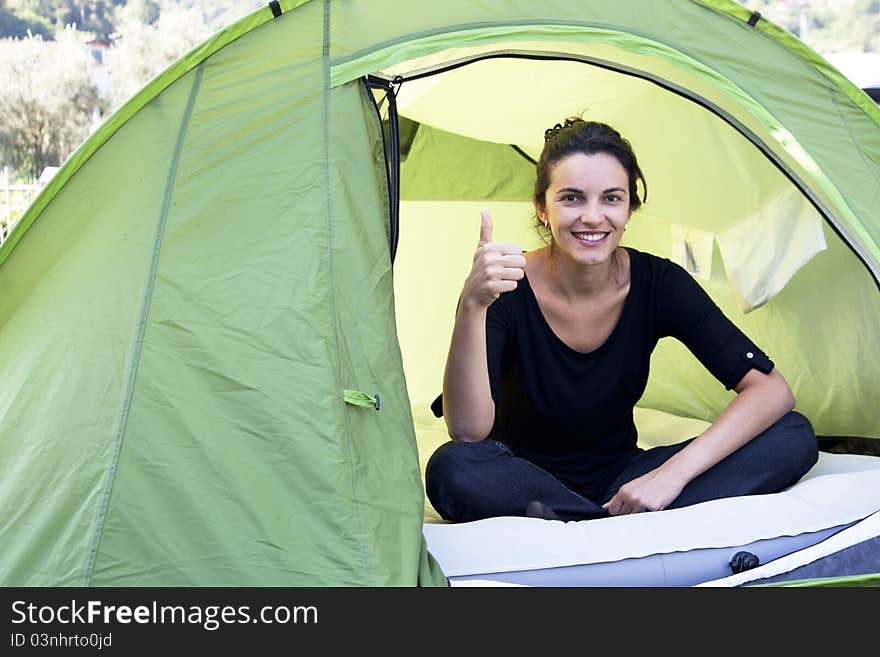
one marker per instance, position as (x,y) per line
(391,145)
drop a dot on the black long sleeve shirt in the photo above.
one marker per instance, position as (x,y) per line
(571,412)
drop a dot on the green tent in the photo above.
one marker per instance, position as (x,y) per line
(219,319)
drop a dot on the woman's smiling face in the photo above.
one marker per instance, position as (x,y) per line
(586,206)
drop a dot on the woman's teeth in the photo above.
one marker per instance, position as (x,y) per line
(590,237)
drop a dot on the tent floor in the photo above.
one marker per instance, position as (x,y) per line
(680,547)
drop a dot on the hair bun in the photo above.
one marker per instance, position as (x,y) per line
(549,133)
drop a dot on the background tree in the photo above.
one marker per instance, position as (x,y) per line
(101,16)
(88,15)
(846,26)
(48,101)
(151,34)
(828,26)
(14,24)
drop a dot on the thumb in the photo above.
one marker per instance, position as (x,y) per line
(485,227)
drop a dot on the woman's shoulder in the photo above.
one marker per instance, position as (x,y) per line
(650,266)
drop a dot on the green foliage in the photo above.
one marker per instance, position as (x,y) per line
(49,102)
(94,16)
(145,12)
(151,34)
(12,24)
(103,17)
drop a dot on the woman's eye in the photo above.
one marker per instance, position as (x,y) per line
(569,198)
(612,198)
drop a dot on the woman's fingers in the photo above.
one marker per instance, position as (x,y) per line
(500,262)
(512,261)
(506,273)
(485,227)
(510,255)
(512,274)
(618,506)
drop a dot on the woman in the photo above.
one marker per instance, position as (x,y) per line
(550,353)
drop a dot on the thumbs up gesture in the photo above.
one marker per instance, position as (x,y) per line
(496,267)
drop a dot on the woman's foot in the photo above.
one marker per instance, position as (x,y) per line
(536,509)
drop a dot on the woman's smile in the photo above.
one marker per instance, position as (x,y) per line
(591,239)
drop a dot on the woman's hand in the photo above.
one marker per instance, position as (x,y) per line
(652,491)
(468,407)
(496,269)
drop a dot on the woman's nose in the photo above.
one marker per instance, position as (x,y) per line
(592,214)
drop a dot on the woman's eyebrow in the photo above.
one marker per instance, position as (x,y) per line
(569,190)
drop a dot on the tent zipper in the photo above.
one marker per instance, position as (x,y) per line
(391,148)
(385,82)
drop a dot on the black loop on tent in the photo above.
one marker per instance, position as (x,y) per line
(742,561)
(276,8)
(754,18)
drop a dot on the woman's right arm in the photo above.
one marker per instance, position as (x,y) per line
(468,407)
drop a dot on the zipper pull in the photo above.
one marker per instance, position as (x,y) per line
(357,398)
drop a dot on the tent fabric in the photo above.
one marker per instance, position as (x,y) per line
(189,306)
(764,250)
(859,560)
(855,542)
(191,325)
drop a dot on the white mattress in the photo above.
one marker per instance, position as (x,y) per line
(676,547)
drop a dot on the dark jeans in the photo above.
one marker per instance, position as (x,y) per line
(471,481)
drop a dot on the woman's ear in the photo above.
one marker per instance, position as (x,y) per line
(540,212)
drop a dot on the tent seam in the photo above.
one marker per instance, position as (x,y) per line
(464,27)
(141,327)
(849,131)
(334,317)
(469,27)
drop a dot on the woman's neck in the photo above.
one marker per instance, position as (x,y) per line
(575,281)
